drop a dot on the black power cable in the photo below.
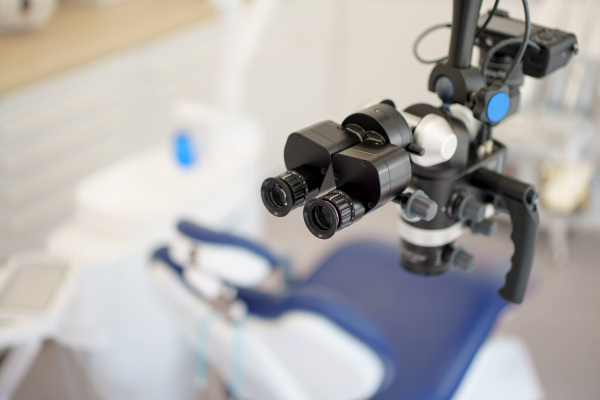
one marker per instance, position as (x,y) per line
(524,43)
(421,37)
(489,18)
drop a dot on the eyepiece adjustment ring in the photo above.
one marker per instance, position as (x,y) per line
(282,194)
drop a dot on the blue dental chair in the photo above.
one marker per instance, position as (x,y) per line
(426,330)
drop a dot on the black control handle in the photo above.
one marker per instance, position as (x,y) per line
(520,201)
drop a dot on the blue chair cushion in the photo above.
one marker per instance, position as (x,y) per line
(426,329)
(311,298)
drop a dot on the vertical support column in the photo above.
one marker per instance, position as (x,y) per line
(464,27)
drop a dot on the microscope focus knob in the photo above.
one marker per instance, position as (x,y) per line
(486,227)
(418,205)
(471,209)
(462,259)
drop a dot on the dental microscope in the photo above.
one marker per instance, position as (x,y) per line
(440,164)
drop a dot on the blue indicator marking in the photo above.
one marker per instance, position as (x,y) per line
(184,149)
(497,107)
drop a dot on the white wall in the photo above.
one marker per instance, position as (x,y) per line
(319,60)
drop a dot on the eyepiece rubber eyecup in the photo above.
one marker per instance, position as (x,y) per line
(277,197)
(321,218)
(282,194)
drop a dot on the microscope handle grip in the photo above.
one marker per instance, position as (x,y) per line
(525,222)
(520,200)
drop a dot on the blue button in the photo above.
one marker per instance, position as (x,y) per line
(184,149)
(498,107)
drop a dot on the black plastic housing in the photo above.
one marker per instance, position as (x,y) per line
(428,261)
(556,46)
(378,171)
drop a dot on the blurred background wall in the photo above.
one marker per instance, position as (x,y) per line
(95,84)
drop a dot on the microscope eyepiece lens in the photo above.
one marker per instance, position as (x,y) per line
(278,196)
(282,194)
(322,218)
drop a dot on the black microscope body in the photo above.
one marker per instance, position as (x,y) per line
(439,164)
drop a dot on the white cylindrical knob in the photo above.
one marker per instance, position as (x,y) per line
(465,114)
(435,135)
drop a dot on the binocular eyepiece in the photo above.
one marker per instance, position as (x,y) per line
(339,173)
